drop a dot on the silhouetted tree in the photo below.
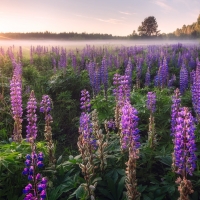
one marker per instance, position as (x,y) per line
(149,27)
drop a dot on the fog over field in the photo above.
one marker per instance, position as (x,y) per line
(82,43)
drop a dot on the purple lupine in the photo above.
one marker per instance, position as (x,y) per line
(111,124)
(104,75)
(33,160)
(17,68)
(156,81)
(192,77)
(176,104)
(16,97)
(179,63)
(85,101)
(38,187)
(196,92)
(192,63)
(116,83)
(45,107)
(183,79)
(62,63)
(163,73)
(95,77)
(151,101)
(130,140)
(129,71)
(91,71)
(172,80)
(31,128)
(184,143)
(74,62)
(97,81)
(129,130)
(138,72)
(16,106)
(147,78)
(45,104)
(123,90)
(85,123)
(86,130)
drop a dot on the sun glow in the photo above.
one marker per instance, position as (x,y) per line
(3,37)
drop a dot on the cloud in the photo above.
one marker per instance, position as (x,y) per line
(163,5)
(127,13)
(112,21)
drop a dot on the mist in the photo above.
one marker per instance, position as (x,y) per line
(72,44)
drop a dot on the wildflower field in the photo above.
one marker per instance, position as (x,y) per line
(100,123)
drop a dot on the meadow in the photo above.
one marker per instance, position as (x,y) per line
(100,122)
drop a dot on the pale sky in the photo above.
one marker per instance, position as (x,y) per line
(116,17)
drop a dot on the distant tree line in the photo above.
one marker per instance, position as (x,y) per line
(149,28)
(63,35)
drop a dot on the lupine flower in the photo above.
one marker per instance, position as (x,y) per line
(97,81)
(86,129)
(16,106)
(31,128)
(156,81)
(138,72)
(16,97)
(183,79)
(192,77)
(87,144)
(163,73)
(184,143)
(45,104)
(27,188)
(111,124)
(129,71)
(196,92)
(104,74)
(85,100)
(151,101)
(116,83)
(151,105)
(176,104)
(147,77)
(130,140)
(31,162)
(172,80)
(124,90)
(129,130)
(45,107)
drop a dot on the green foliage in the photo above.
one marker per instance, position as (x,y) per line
(103,106)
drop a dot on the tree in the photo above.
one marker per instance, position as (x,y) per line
(149,27)
(197,28)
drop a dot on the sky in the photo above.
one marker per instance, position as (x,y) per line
(116,17)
